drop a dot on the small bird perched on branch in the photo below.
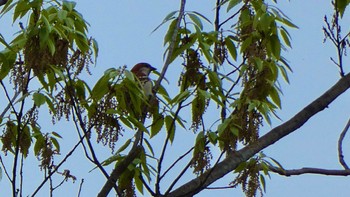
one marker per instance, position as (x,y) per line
(142,71)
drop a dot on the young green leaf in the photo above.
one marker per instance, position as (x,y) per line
(55,143)
(38,99)
(196,20)
(169,34)
(232,4)
(274,95)
(285,37)
(138,182)
(231,48)
(275,46)
(157,125)
(170,127)
(125,145)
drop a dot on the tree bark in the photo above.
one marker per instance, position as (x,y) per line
(231,162)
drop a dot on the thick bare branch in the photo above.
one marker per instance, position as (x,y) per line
(231,162)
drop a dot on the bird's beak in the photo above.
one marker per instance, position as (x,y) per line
(152,68)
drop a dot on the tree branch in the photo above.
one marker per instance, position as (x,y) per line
(340,146)
(118,171)
(232,161)
(310,171)
(171,46)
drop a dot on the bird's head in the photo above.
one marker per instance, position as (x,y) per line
(142,69)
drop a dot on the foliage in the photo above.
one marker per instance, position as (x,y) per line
(234,65)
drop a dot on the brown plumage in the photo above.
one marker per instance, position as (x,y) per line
(142,71)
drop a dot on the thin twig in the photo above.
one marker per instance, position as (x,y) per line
(159,167)
(173,164)
(4,167)
(178,178)
(77,111)
(340,146)
(20,127)
(80,186)
(59,165)
(21,177)
(149,189)
(232,16)
(9,105)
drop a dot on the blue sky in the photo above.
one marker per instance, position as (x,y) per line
(123,31)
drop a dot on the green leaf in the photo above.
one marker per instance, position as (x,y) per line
(81,41)
(126,122)
(169,34)
(170,127)
(276,162)
(19,42)
(247,42)
(341,5)
(214,78)
(21,9)
(202,16)
(157,125)
(39,99)
(196,20)
(62,15)
(234,130)
(170,16)
(289,23)
(51,46)
(241,167)
(275,46)
(138,124)
(213,137)
(224,125)
(232,4)
(2,41)
(69,5)
(7,59)
(262,181)
(39,144)
(274,95)
(55,143)
(100,88)
(138,182)
(231,48)
(111,159)
(7,7)
(162,91)
(149,146)
(95,48)
(125,145)
(129,75)
(204,94)
(56,134)
(166,19)
(285,37)
(180,97)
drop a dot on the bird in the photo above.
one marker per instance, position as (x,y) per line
(142,71)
